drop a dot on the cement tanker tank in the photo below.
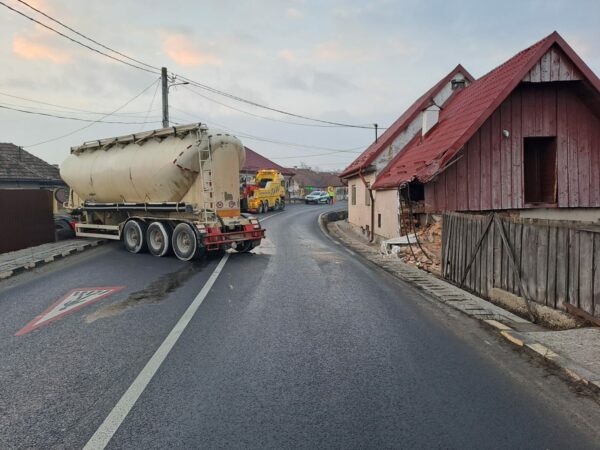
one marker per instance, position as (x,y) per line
(146,188)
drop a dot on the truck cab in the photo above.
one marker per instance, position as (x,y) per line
(267,193)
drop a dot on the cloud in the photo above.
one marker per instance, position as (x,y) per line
(333,51)
(294,13)
(287,55)
(185,53)
(32,49)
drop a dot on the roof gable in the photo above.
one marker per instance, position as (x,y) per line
(466,112)
(255,162)
(17,164)
(387,138)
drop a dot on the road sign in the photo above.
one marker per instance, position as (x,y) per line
(70,302)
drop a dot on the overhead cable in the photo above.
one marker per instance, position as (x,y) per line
(98,120)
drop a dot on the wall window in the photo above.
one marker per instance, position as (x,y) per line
(367,195)
(378,220)
(353,195)
(539,169)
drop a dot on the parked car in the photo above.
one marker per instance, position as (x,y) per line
(63,227)
(317,197)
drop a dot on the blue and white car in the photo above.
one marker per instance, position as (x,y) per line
(317,197)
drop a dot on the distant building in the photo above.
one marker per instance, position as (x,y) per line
(307,180)
(255,162)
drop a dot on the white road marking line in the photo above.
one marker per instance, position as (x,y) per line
(115,418)
(268,217)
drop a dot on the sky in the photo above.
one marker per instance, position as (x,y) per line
(353,62)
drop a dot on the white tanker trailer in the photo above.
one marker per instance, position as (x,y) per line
(173,189)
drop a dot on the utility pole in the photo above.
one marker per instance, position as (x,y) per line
(165,97)
(375,125)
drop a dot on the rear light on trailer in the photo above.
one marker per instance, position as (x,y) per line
(73,223)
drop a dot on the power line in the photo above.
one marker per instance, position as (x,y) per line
(75,40)
(86,37)
(193,82)
(72,118)
(258,115)
(98,120)
(258,105)
(273,141)
(130,114)
(151,103)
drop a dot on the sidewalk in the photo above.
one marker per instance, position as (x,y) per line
(576,351)
(15,262)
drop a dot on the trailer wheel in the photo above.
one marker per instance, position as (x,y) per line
(277,205)
(282,204)
(185,242)
(244,247)
(158,238)
(134,236)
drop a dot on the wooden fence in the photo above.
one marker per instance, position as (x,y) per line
(26,218)
(556,265)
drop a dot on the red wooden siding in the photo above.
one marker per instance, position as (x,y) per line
(488,172)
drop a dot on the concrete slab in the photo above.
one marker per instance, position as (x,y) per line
(582,346)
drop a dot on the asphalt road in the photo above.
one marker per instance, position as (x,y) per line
(299,345)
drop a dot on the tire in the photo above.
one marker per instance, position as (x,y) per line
(261,208)
(134,236)
(277,206)
(244,247)
(158,238)
(266,206)
(62,230)
(282,204)
(185,242)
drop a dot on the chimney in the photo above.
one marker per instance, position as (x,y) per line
(431,115)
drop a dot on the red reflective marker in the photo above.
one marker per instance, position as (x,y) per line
(70,302)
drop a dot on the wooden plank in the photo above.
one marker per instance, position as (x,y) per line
(562,148)
(596,275)
(548,109)
(541,266)
(516,137)
(500,228)
(583,156)
(451,188)
(552,247)
(477,243)
(504,260)
(518,254)
(573,291)
(497,259)
(573,146)
(562,267)
(539,110)
(483,264)
(586,268)
(535,74)
(445,226)
(496,135)
(528,111)
(469,251)
(485,146)
(595,162)
(512,239)
(462,202)
(545,67)
(529,261)
(490,260)
(554,65)
(506,155)
(474,172)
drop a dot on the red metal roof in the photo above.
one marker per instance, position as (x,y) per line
(255,162)
(466,112)
(386,139)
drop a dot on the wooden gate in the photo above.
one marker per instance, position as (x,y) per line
(557,265)
(26,218)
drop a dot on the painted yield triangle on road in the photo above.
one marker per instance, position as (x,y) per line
(70,302)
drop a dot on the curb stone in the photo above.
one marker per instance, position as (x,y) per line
(60,254)
(471,306)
